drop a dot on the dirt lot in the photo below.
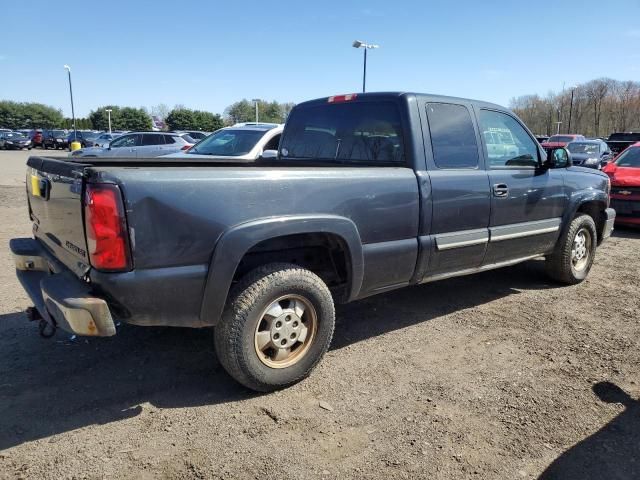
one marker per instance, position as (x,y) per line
(498,375)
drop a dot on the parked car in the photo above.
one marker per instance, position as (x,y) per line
(368,193)
(54,139)
(621,140)
(557,141)
(140,145)
(5,130)
(590,153)
(84,137)
(246,143)
(104,139)
(195,134)
(624,172)
(14,141)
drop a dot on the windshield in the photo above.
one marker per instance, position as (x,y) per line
(629,158)
(360,133)
(560,138)
(13,135)
(576,147)
(228,142)
(58,133)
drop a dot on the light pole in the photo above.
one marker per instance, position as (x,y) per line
(365,46)
(255,102)
(558,131)
(73,113)
(573,89)
(108,110)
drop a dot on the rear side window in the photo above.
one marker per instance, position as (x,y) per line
(453,138)
(148,139)
(169,139)
(365,133)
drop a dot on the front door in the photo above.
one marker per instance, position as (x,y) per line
(527,201)
(125,146)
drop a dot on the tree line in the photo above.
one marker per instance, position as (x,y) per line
(598,108)
(18,115)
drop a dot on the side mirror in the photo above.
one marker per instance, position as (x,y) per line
(269,155)
(558,158)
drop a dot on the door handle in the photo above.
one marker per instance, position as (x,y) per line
(500,190)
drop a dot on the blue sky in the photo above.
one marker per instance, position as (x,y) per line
(208,54)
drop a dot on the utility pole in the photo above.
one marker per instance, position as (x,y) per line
(255,101)
(73,113)
(108,110)
(365,46)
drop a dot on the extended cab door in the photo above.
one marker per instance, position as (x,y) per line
(527,200)
(459,198)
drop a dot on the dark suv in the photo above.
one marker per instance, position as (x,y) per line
(56,139)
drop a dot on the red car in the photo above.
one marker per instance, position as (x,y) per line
(557,141)
(624,172)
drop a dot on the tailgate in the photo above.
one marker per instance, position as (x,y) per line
(54,191)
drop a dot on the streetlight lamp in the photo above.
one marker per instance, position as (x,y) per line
(573,89)
(108,110)
(255,102)
(73,114)
(558,123)
(365,46)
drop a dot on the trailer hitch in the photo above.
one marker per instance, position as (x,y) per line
(45,328)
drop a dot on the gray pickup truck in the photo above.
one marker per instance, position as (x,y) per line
(368,193)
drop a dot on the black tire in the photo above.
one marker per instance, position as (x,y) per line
(560,265)
(235,335)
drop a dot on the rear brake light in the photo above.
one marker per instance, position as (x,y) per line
(186,147)
(342,98)
(106,228)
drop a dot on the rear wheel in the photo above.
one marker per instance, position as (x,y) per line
(576,250)
(276,327)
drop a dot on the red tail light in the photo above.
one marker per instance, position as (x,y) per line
(342,98)
(186,147)
(106,228)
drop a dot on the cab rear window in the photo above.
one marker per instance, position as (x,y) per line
(362,133)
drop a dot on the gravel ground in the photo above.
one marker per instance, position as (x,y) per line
(498,375)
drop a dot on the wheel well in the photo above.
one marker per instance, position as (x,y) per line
(595,210)
(324,254)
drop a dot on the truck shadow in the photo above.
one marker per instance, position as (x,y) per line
(613,452)
(48,387)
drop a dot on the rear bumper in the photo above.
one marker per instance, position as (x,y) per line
(60,297)
(610,214)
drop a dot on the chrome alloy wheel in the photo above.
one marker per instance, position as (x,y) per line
(581,249)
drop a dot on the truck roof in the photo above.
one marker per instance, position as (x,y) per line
(394,95)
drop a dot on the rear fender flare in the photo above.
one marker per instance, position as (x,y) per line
(238,240)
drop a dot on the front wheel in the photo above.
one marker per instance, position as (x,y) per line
(576,250)
(276,327)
